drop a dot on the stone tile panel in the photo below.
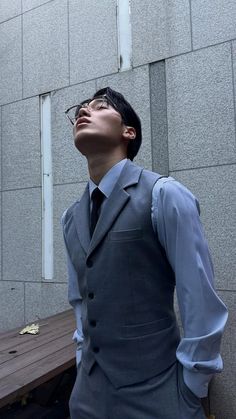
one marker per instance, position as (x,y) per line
(10,61)
(213,21)
(9,9)
(11,305)
(21,235)
(93,39)
(21,164)
(160,29)
(200,106)
(44,300)
(159,126)
(45,48)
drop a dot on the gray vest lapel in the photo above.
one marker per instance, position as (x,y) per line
(110,212)
(81,218)
(115,203)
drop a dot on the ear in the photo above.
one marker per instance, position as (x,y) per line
(129,133)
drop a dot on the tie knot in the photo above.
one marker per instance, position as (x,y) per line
(97,196)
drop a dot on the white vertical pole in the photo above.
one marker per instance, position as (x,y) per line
(47,187)
(124,34)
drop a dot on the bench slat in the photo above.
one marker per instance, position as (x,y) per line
(18,384)
(24,343)
(30,357)
(38,358)
(49,323)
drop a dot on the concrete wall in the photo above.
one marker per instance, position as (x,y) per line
(182,84)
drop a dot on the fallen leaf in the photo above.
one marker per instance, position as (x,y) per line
(32,329)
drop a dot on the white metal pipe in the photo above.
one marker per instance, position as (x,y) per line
(47,187)
(124,34)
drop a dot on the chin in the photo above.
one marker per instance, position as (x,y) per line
(79,145)
(83,144)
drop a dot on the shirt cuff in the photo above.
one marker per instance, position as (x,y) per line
(78,356)
(197,382)
(77,337)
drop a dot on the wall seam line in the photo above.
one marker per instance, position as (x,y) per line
(1,220)
(34,282)
(191,23)
(167,120)
(68,28)
(10,18)
(150,108)
(185,52)
(225,290)
(40,186)
(37,7)
(22,59)
(21,189)
(202,167)
(234,93)
(24,304)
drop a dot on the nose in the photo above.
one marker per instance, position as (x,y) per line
(84,111)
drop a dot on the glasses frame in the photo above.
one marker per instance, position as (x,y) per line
(109,101)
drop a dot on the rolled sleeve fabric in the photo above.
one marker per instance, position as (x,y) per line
(176,221)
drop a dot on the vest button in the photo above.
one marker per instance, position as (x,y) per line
(93,323)
(89,263)
(91,295)
(96,349)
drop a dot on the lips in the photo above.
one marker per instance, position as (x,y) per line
(82,120)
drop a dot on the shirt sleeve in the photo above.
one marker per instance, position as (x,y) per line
(76,302)
(175,217)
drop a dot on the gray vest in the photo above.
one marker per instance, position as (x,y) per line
(126,282)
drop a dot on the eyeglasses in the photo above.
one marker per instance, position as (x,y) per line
(100,102)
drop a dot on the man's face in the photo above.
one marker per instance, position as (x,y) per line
(98,128)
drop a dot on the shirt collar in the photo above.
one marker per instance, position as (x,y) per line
(109,180)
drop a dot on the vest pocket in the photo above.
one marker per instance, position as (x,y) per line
(138,330)
(124,235)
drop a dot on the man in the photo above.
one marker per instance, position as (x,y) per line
(132,238)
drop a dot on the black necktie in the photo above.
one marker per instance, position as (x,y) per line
(97,198)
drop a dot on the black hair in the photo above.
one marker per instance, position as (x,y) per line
(128,115)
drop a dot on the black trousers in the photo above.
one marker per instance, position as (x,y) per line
(164,396)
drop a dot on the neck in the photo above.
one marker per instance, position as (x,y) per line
(98,166)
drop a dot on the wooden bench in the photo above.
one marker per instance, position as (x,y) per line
(27,361)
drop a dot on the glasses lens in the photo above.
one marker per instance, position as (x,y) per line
(94,104)
(98,104)
(72,113)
